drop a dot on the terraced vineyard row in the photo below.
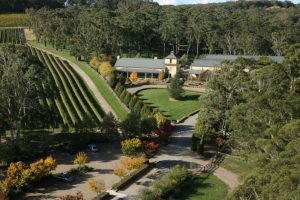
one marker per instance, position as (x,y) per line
(12,35)
(75,103)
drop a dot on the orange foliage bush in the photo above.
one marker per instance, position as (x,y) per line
(133,77)
(80,159)
(132,163)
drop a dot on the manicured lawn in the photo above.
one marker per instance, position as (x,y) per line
(205,188)
(101,86)
(159,98)
(237,166)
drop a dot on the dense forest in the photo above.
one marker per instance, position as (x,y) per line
(252,28)
(258,113)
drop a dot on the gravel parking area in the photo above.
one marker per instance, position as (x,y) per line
(103,163)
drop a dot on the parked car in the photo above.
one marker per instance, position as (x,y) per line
(64,176)
(93,147)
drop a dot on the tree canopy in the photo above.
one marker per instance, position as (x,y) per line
(131,26)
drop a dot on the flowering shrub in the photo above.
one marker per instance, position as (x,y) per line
(131,146)
(119,171)
(96,186)
(80,159)
(20,175)
(150,146)
(132,163)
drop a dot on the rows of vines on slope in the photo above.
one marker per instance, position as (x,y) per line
(12,35)
(76,106)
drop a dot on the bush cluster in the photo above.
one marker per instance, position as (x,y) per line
(132,101)
(20,176)
(167,185)
(131,147)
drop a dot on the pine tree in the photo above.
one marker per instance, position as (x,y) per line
(175,87)
(127,99)
(132,102)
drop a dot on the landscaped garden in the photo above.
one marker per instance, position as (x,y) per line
(206,187)
(172,109)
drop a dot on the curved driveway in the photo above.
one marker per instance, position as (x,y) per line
(178,152)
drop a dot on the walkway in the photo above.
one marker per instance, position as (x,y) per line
(134,90)
(103,103)
(178,152)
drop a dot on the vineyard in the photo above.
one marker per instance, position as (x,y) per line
(12,35)
(74,102)
(14,20)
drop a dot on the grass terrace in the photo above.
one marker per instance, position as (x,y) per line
(100,84)
(174,110)
(237,166)
(205,187)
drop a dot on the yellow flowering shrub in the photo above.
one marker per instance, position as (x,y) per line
(96,186)
(80,159)
(132,163)
(20,175)
(131,146)
(119,171)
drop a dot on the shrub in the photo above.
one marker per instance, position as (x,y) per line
(119,171)
(132,163)
(127,98)
(148,125)
(133,77)
(106,69)
(131,125)
(160,119)
(80,159)
(161,75)
(78,196)
(133,102)
(175,87)
(97,186)
(150,146)
(138,107)
(120,90)
(131,146)
(20,175)
(167,184)
(95,62)
(123,95)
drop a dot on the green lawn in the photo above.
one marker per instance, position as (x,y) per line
(102,87)
(159,98)
(205,188)
(237,166)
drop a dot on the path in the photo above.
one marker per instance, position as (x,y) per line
(134,90)
(178,152)
(103,103)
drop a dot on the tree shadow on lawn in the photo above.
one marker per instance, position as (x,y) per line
(192,97)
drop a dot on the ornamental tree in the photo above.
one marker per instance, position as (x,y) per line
(175,87)
(133,77)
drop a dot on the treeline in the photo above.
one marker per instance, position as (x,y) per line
(252,28)
(257,113)
(17,6)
